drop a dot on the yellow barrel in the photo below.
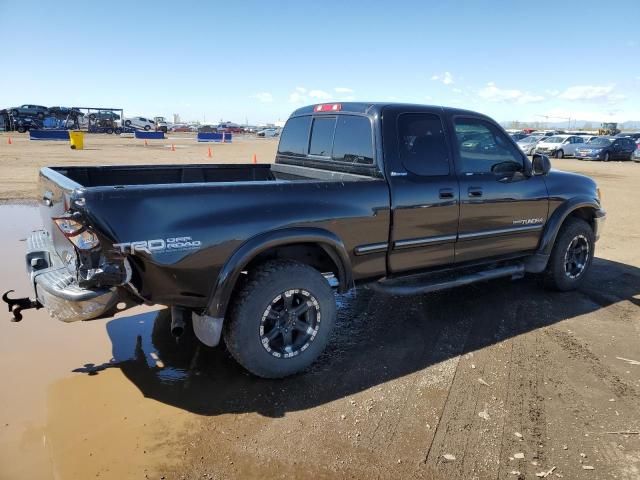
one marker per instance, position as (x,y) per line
(76,137)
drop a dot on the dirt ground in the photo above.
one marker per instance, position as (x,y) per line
(502,380)
(20,161)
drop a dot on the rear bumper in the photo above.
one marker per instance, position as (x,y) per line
(599,221)
(57,289)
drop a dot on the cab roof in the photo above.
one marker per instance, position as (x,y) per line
(375,108)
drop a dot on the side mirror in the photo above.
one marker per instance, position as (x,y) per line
(541,164)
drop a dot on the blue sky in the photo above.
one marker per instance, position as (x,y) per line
(516,60)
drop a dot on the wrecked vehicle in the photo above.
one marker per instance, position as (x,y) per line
(408,199)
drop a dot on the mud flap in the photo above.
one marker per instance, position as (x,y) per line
(207,329)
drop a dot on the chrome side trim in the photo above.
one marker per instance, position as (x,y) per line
(498,232)
(419,242)
(371,248)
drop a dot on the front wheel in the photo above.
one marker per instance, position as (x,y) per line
(281,319)
(147,128)
(559,154)
(571,255)
(606,157)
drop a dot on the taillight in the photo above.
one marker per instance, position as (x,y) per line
(328,107)
(77,233)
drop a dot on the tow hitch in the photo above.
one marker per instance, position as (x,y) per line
(16,305)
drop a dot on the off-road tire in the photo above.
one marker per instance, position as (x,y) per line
(242,327)
(555,275)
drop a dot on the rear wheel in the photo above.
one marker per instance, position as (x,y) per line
(147,128)
(281,319)
(571,255)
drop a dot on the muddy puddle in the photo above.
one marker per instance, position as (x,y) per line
(110,397)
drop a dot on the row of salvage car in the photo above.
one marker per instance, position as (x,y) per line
(584,147)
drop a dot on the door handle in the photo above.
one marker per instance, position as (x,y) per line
(446,193)
(475,191)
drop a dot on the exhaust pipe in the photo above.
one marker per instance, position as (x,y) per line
(178,321)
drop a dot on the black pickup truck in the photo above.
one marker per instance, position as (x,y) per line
(406,198)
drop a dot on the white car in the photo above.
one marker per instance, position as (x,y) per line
(268,132)
(588,138)
(560,146)
(140,123)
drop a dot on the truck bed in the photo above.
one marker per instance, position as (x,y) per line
(101,176)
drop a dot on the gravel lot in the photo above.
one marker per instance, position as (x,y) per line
(498,380)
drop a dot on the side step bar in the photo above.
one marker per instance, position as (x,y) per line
(400,288)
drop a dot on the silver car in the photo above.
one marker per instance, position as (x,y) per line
(528,144)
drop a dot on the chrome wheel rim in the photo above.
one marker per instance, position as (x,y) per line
(576,257)
(290,323)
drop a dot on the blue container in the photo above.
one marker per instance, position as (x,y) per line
(214,137)
(49,135)
(149,135)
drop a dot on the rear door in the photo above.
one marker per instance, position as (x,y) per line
(502,210)
(424,189)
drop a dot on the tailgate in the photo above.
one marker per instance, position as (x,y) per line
(54,200)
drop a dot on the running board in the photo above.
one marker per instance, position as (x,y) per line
(395,287)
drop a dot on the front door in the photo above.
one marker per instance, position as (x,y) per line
(502,210)
(424,189)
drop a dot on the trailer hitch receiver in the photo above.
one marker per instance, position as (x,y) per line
(16,305)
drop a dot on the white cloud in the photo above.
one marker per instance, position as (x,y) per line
(591,93)
(301,90)
(445,78)
(264,97)
(343,90)
(319,94)
(297,97)
(492,93)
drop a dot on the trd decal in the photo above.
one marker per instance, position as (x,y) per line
(159,245)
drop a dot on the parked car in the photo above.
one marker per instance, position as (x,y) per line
(268,132)
(607,148)
(207,129)
(560,146)
(24,124)
(636,153)
(161,124)
(528,144)
(141,123)
(588,138)
(228,127)
(29,110)
(65,112)
(251,251)
(518,136)
(104,115)
(635,136)
(181,128)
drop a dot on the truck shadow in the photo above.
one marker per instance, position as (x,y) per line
(378,338)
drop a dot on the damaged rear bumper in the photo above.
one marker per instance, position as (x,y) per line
(57,290)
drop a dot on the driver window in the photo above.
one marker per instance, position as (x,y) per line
(483,148)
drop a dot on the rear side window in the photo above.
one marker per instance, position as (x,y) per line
(422,144)
(295,136)
(352,140)
(322,136)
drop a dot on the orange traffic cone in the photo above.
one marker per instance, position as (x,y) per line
(145,143)
(10,142)
(209,154)
(255,159)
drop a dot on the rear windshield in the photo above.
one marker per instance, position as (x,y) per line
(340,138)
